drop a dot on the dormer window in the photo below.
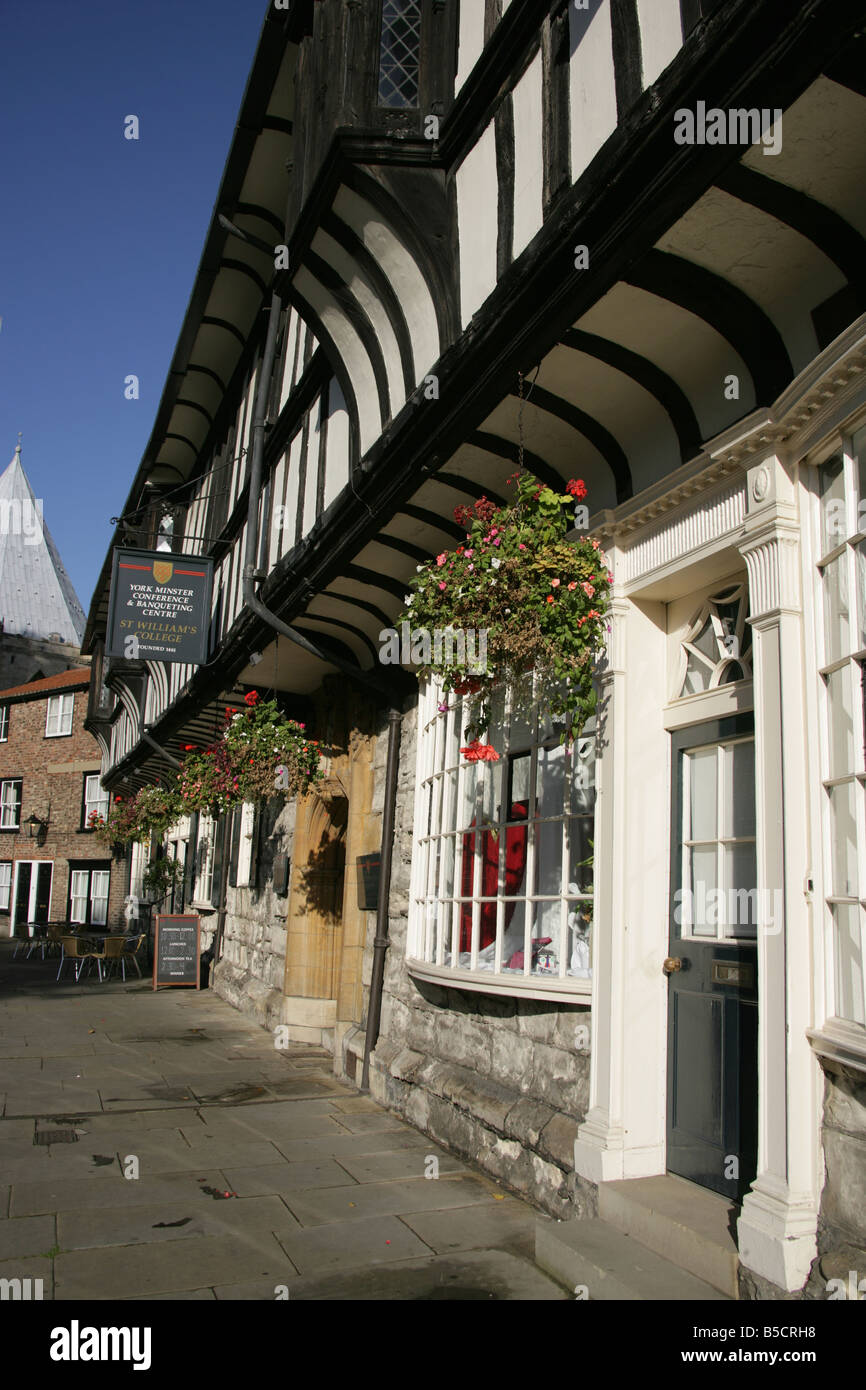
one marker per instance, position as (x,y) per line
(400,54)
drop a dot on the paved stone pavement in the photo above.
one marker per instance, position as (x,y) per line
(159,1146)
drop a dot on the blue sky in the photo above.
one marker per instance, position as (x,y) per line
(100,236)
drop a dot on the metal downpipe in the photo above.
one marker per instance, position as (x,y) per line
(380,941)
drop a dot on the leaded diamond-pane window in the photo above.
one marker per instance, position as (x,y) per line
(399,53)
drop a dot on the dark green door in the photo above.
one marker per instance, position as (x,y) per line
(712,968)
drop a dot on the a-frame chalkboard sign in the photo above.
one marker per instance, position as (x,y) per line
(177,951)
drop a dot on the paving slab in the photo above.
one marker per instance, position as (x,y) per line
(503,1225)
(26,1235)
(251,1219)
(374,1241)
(381,1141)
(167,1267)
(83,1194)
(406,1163)
(346,1205)
(286,1177)
(259,1290)
(478,1276)
(33,1269)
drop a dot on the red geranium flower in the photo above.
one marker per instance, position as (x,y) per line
(478,752)
(252,698)
(577,488)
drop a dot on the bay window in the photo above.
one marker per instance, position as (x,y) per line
(842,613)
(502,868)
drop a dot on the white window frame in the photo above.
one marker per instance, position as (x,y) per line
(245,846)
(848,553)
(4,723)
(203,888)
(727,930)
(59,711)
(5,885)
(430,957)
(13,803)
(93,879)
(98,803)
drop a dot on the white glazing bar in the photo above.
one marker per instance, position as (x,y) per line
(504,815)
(448,823)
(462,773)
(564,944)
(531,906)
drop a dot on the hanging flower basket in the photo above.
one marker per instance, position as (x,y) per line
(540,599)
(259,754)
(149,812)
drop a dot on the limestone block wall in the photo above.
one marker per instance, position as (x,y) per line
(501,1081)
(253,966)
(842,1220)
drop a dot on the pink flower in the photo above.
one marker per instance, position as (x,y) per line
(554,583)
(587,589)
(521,547)
(469,554)
(440,559)
(595,545)
(572,585)
(610,576)
(498,540)
(442,584)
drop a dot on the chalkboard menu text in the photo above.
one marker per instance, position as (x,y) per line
(177,951)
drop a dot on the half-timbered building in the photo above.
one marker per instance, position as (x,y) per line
(619,240)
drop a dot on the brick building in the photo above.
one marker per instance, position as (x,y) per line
(51,867)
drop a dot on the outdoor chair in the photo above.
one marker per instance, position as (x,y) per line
(129,952)
(112,954)
(79,950)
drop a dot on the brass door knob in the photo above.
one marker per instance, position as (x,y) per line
(672,965)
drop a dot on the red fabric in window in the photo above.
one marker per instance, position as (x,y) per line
(515,867)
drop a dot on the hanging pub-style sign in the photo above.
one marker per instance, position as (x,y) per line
(160,606)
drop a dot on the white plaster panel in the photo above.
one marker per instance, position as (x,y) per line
(478,223)
(277,513)
(291,502)
(470,41)
(592,93)
(353,353)
(311,480)
(528,156)
(661,35)
(783,272)
(823,152)
(401,269)
(337,445)
(330,251)
(681,344)
(288,365)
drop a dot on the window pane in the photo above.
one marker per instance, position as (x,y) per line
(837,621)
(843,839)
(548,857)
(704,914)
(702,800)
(546,939)
(583,775)
(741,895)
(860,560)
(858,449)
(848,942)
(580,865)
(399,53)
(739,775)
(834,527)
(550,780)
(841,716)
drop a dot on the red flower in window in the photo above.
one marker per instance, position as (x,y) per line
(478,752)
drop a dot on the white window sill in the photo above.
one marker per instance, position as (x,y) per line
(840,1041)
(482,982)
(203,907)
